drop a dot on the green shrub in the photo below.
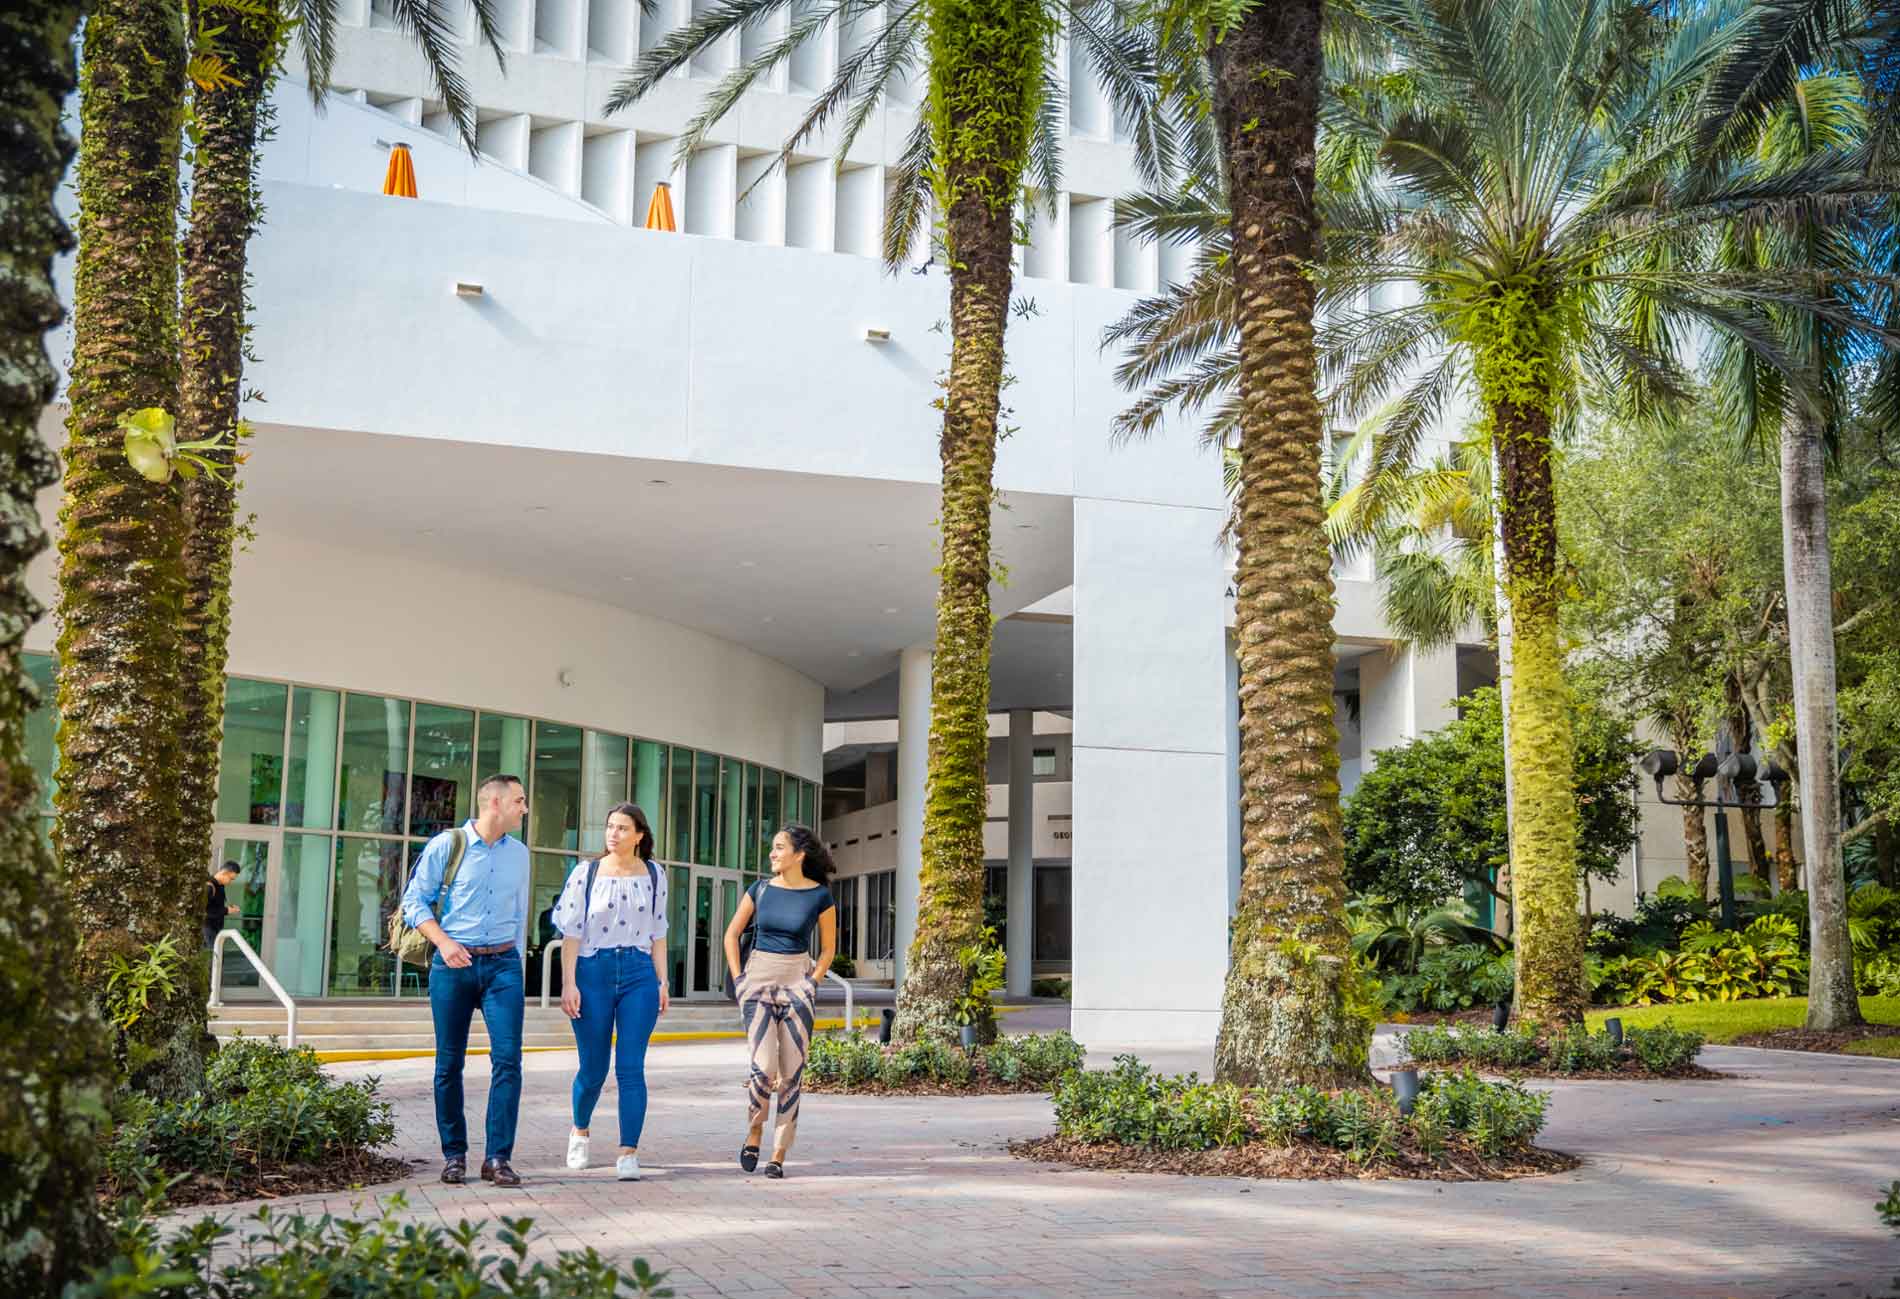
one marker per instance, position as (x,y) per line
(1512,1049)
(1495,1116)
(263,1105)
(848,1058)
(383,1258)
(1052,987)
(1452,978)
(1035,1059)
(1665,1048)
(1889,1208)
(1877,974)
(1132,1105)
(1581,1051)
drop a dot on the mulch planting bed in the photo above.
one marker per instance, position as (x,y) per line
(1834,1041)
(341,1174)
(1295,1163)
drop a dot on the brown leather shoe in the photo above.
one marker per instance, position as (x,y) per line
(454,1171)
(498,1172)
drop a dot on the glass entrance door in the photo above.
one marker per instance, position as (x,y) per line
(250,902)
(715,895)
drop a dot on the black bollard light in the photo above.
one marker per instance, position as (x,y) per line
(967,1036)
(1614,1027)
(884,1028)
(1405,1089)
(1500,1015)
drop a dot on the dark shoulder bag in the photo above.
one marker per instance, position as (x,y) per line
(747,941)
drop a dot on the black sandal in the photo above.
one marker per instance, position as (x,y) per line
(748,1157)
(775,1169)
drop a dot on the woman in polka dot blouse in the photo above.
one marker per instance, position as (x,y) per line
(613,965)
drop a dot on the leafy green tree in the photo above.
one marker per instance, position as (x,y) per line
(52,1074)
(1428,820)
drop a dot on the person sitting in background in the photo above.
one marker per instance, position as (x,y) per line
(216,907)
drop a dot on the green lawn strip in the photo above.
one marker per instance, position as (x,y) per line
(1724,1021)
(1886,1047)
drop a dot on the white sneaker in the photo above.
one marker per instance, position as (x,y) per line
(577,1150)
(627,1168)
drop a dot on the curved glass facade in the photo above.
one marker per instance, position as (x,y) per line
(325,797)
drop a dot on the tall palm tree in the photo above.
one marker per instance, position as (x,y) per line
(991,125)
(1539,181)
(1822,121)
(121,580)
(51,1077)
(236,50)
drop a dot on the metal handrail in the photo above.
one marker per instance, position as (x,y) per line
(850,1000)
(547,968)
(257,962)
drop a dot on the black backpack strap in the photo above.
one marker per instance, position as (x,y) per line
(587,898)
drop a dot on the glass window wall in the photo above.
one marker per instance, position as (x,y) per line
(251,762)
(680,798)
(373,778)
(555,792)
(442,788)
(605,767)
(310,790)
(705,807)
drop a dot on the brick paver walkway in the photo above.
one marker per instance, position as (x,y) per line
(1757,1187)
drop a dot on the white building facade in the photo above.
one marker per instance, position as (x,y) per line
(650,515)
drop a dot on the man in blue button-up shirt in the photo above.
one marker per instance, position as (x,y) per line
(480,928)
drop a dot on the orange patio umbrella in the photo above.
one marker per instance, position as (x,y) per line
(400,179)
(660,210)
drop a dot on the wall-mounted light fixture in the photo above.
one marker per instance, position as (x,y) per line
(877,335)
(468,289)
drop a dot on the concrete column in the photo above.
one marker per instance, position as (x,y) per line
(1019,945)
(913,771)
(1151,860)
(1404,693)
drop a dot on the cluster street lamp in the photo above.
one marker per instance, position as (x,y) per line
(1738,771)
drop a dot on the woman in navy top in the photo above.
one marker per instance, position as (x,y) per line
(613,973)
(778,988)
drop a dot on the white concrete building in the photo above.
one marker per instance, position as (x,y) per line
(643,514)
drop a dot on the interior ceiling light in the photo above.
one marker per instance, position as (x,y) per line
(658,482)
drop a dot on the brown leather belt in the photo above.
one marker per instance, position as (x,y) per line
(502,950)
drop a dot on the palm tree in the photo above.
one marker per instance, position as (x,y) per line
(991,124)
(51,1079)
(237,47)
(1821,122)
(1535,183)
(121,580)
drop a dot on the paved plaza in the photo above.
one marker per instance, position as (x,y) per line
(1761,1186)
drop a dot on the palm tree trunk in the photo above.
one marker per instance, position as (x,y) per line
(1832,1000)
(1507,926)
(1787,869)
(1695,838)
(121,582)
(985,81)
(51,1081)
(1550,986)
(224,212)
(1289,1013)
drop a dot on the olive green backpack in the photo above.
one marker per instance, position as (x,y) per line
(412,946)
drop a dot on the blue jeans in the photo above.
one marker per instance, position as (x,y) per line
(494,984)
(620,1004)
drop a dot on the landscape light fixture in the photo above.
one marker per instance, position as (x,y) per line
(1405,1089)
(1738,770)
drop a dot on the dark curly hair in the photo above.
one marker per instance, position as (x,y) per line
(817,857)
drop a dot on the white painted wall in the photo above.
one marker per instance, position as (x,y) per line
(324,614)
(865,841)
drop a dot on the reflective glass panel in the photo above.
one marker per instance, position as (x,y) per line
(771,816)
(705,807)
(752,861)
(649,789)
(606,769)
(678,884)
(680,801)
(373,785)
(42,725)
(310,791)
(555,811)
(501,749)
(731,810)
(442,789)
(251,761)
(303,898)
(366,890)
